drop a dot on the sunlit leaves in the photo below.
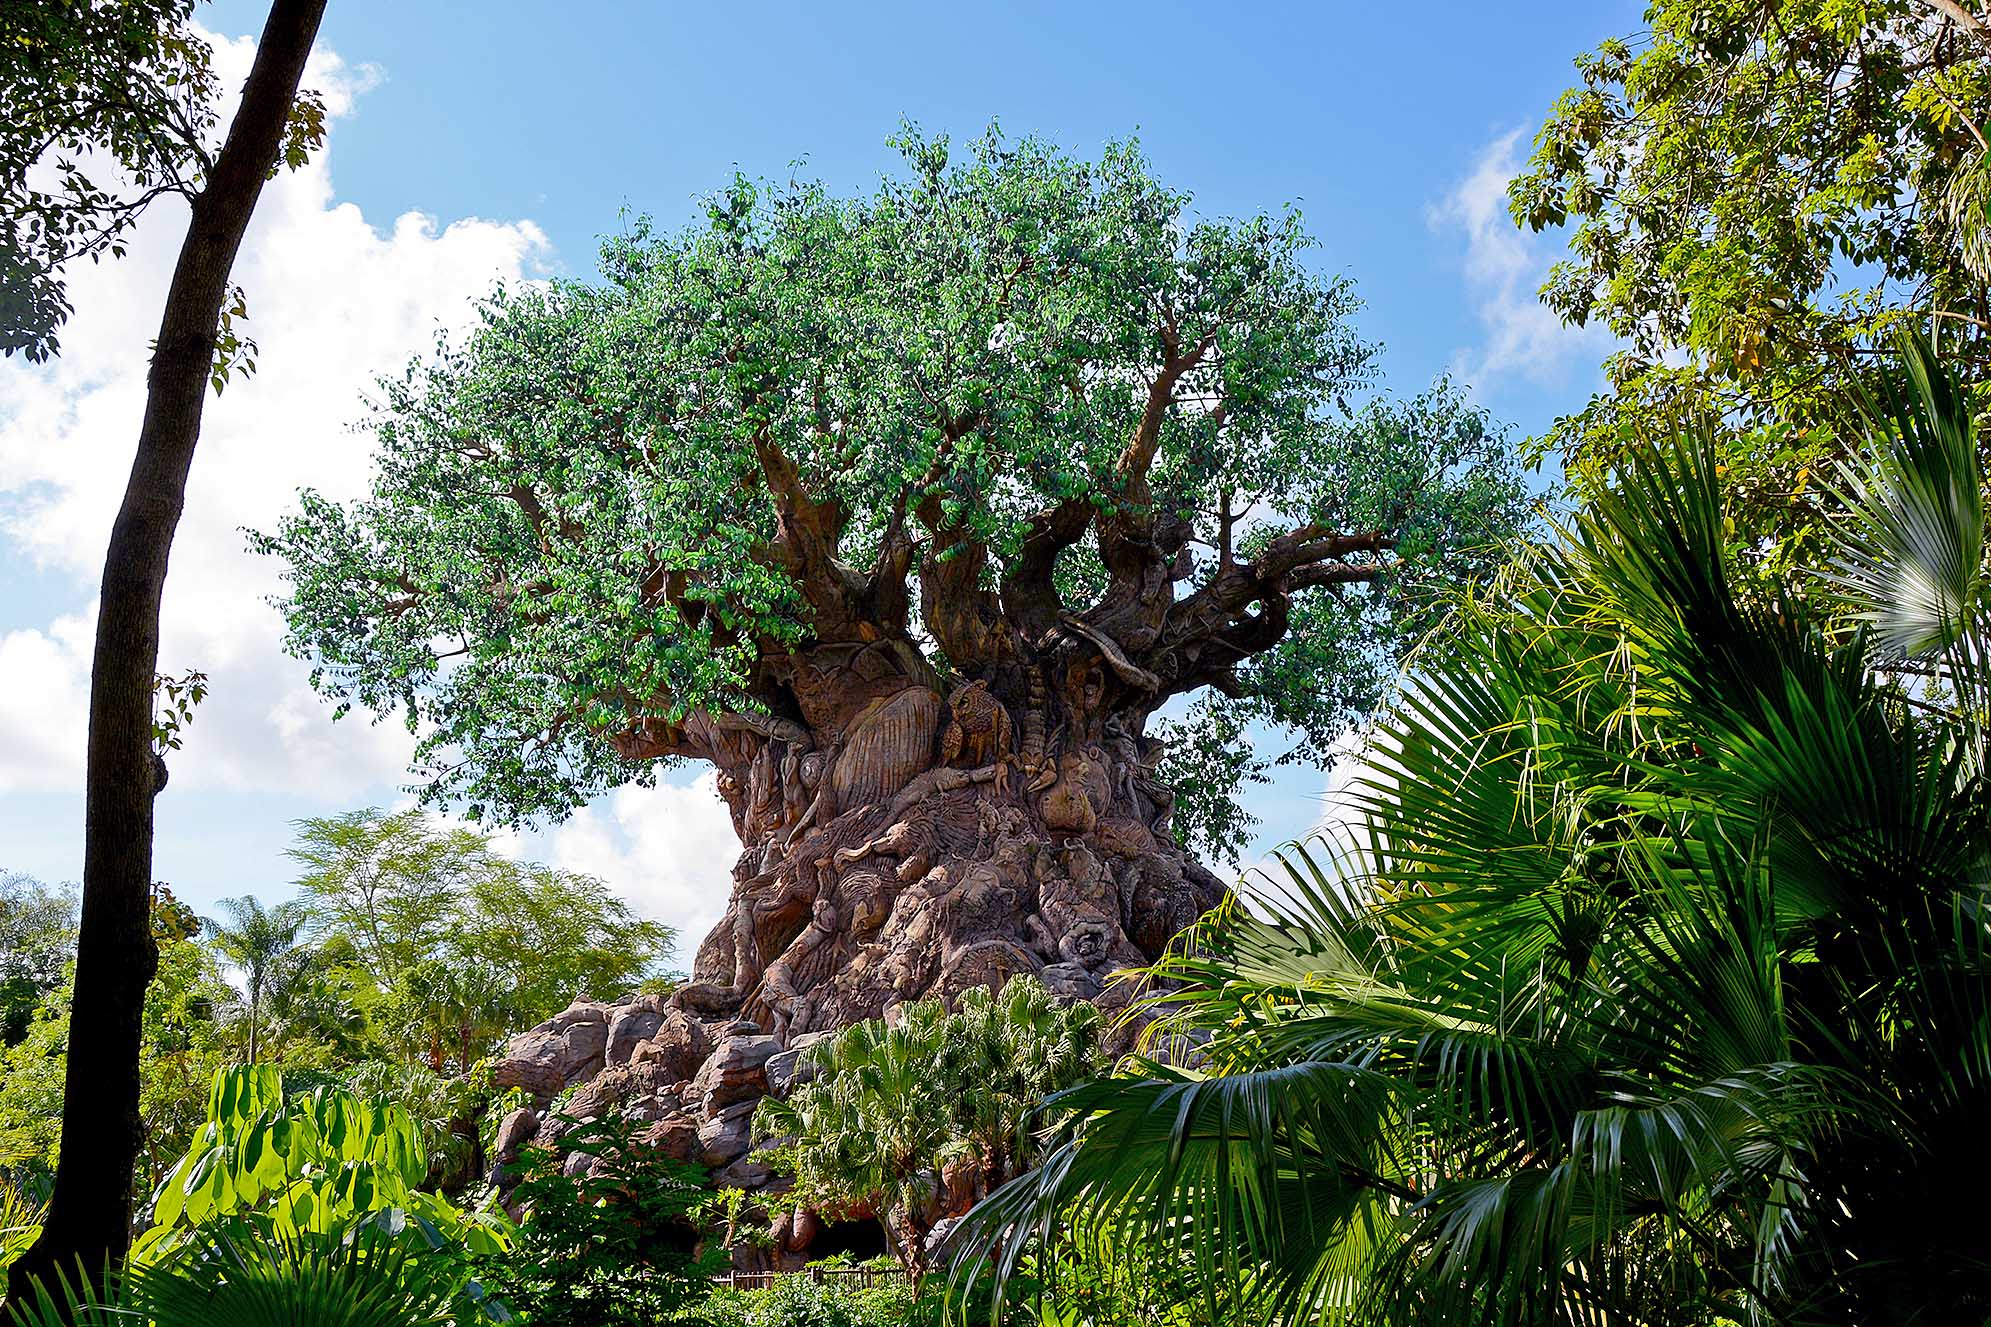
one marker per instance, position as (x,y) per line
(306,1165)
(574,523)
(1754,196)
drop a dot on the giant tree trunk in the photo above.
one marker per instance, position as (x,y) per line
(900,843)
(90,1211)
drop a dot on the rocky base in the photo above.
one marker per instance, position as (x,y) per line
(896,846)
(692,1084)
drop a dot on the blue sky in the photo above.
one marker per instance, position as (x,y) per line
(472,141)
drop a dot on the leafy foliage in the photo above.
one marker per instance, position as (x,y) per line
(1755,194)
(240,1274)
(1655,990)
(174,699)
(37,932)
(797,1301)
(890,1105)
(263,943)
(184,1041)
(82,86)
(613,1248)
(312,1165)
(448,946)
(20,1223)
(999,390)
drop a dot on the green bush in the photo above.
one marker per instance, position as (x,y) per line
(306,1165)
(614,1248)
(798,1301)
(241,1272)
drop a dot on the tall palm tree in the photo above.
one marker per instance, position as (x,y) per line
(1654,988)
(263,943)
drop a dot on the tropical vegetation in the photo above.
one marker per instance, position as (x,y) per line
(624,1245)
(1653,987)
(1648,985)
(902,1119)
(1755,196)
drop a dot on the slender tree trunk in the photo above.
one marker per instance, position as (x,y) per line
(255,1021)
(90,1211)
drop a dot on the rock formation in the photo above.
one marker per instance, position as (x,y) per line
(898,843)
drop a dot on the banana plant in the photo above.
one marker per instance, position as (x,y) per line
(307,1165)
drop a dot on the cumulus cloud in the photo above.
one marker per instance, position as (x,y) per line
(333,303)
(1503,266)
(668,850)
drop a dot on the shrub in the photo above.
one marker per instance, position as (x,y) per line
(798,1301)
(618,1246)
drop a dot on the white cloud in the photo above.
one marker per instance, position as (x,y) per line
(1503,266)
(668,850)
(333,302)
(43,700)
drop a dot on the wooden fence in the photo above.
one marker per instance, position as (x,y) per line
(861,1277)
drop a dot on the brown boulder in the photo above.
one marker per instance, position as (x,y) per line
(678,1045)
(631,1026)
(515,1131)
(734,1072)
(675,1136)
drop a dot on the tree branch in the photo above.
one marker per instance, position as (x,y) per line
(1029,589)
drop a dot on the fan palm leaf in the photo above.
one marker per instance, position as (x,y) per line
(1652,988)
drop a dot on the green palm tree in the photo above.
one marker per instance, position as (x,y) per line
(999,1056)
(1654,988)
(263,943)
(891,1105)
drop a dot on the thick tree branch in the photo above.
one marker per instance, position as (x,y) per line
(810,530)
(1029,589)
(1963,18)
(1212,630)
(1138,547)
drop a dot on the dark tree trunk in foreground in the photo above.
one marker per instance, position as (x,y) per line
(90,1212)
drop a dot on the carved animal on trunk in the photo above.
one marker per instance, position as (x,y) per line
(887,745)
(1082,790)
(979,731)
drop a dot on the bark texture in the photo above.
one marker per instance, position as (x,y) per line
(900,841)
(90,1210)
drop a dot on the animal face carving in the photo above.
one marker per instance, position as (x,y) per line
(1088,944)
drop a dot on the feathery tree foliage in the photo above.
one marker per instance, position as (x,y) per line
(1755,193)
(448,946)
(1002,405)
(1656,989)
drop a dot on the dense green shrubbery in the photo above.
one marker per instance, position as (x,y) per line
(890,1106)
(798,1301)
(618,1246)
